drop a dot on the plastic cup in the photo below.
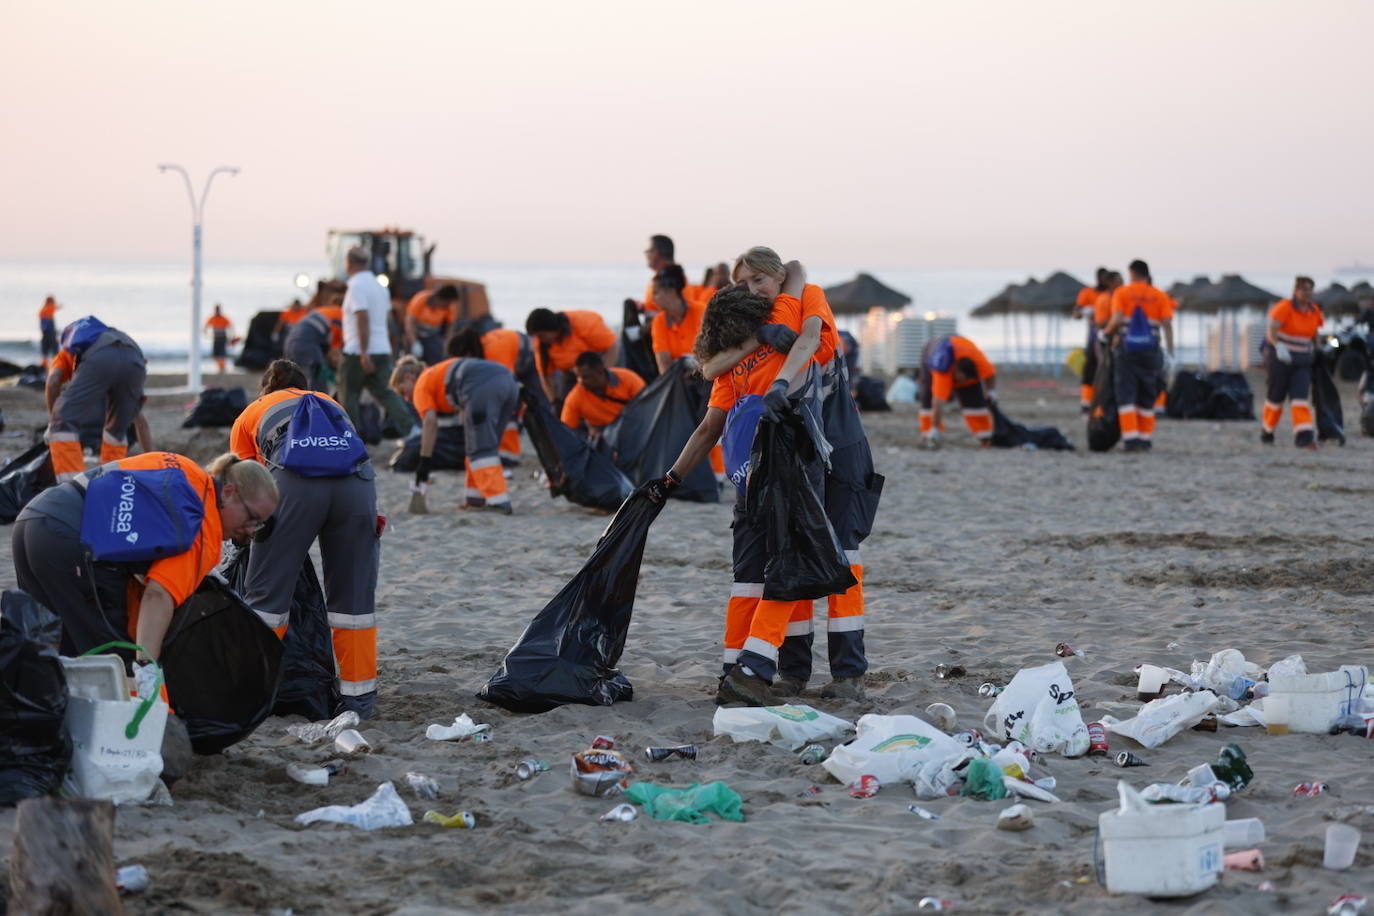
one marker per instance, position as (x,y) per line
(1245,831)
(1276,714)
(1342,841)
(1152,681)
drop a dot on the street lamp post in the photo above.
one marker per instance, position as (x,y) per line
(197,213)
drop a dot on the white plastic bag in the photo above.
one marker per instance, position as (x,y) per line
(1159,720)
(1040,710)
(462,728)
(903,390)
(384,808)
(1292,666)
(786,726)
(892,748)
(1221,670)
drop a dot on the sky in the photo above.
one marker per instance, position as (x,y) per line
(1221,134)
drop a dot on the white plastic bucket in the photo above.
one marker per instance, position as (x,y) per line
(1169,851)
(1315,701)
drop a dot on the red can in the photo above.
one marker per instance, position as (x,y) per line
(1310,789)
(809,791)
(865,786)
(602,743)
(1097,739)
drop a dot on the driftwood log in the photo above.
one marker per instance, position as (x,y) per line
(63,859)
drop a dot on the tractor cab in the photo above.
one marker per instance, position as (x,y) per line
(399,257)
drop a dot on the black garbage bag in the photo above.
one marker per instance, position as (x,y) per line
(1104,426)
(34,747)
(309,683)
(35,377)
(1007,433)
(23,479)
(650,432)
(449,451)
(586,477)
(223,667)
(1230,397)
(569,651)
(370,423)
(217,407)
(636,346)
(1326,400)
(805,559)
(1188,396)
(871,394)
(260,343)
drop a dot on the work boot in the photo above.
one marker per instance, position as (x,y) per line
(749,689)
(1132,445)
(844,688)
(503,508)
(1266,438)
(786,685)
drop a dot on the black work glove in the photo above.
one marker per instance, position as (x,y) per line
(775,405)
(778,336)
(478,417)
(422,469)
(658,488)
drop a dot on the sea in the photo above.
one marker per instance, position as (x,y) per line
(151,300)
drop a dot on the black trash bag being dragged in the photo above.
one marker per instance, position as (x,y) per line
(449,451)
(805,559)
(1007,433)
(585,477)
(569,651)
(636,345)
(260,343)
(1104,426)
(217,407)
(871,394)
(1326,400)
(34,747)
(23,479)
(223,666)
(309,683)
(650,432)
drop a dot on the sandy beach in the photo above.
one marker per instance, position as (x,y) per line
(986,559)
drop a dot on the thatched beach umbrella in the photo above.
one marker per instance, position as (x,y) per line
(1059,293)
(862,293)
(1231,294)
(1363,293)
(1336,299)
(1183,292)
(999,304)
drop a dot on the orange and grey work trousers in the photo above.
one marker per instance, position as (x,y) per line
(1291,380)
(973,401)
(342,513)
(1137,385)
(488,411)
(109,380)
(1086,381)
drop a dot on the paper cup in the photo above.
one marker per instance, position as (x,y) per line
(1342,841)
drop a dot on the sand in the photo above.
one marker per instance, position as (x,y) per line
(982,558)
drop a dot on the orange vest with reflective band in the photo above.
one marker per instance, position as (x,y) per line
(587,333)
(600,409)
(756,373)
(1297,328)
(431,390)
(1158,307)
(424,311)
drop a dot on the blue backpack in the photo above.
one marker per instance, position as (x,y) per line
(1140,337)
(134,516)
(738,439)
(81,333)
(319,441)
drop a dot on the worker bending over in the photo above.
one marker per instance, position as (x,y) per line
(953,366)
(98,370)
(599,396)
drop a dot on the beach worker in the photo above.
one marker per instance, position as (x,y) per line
(218,327)
(851,491)
(327,492)
(47,329)
(428,320)
(288,319)
(717,277)
(673,332)
(314,341)
(513,350)
(658,255)
(366,360)
(953,366)
(741,394)
(73,554)
(600,394)
(560,338)
(480,393)
(1086,309)
(1291,336)
(97,370)
(1141,314)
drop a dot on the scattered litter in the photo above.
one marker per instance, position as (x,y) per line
(1342,842)
(1245,860)
(599,773)
(462,729)
(989,689)
(660,754)
(892,748)
(384,808)
(1245,831)
(1162,792)
(866,786)
(1347,905)
(1064,650)
(923,812)
(810,791)
(131,879)
(1150,683)
(1017,817)
(983,779)
(308,776)
(812,754)
(1160,851)
(621,812)
(530,768)
(691,804)
(945,672)
(351,741)
(791,727)
(1097,740)
(1127,759)
(1160,720)
(319,732)
(1039,709)
(935,903)
(942,716)
(1267,886)
(603,743)
(1030,790)
(423,786)
(462,820)
(1310,789)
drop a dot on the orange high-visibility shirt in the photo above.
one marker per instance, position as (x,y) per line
(336,317)
(756,372)
(291,316)
(47,311)
(588,333)
(1102,308)
(218,323)
(430,391)
(942,383)
(243,437)
(426,312)
(182,574)
(1087,296)
(503,346)
(677,339)
(1154,302)
(1294,325)
(599,409)
(65,363)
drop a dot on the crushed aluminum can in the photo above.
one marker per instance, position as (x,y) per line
(945,672)
(131,879)
(463,820)
(1267,886)
(922,812)
(1347,905)
(1127,759)
(969,738)
(1064,650)
(812,754)
(1310,789)
(530,768)
(866,786)
(810,791)
(622,812)
(989,689)
(935,903)
(602,743)
(660,754)
(599,773)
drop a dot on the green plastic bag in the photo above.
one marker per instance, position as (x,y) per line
(689,804)
(983,779)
